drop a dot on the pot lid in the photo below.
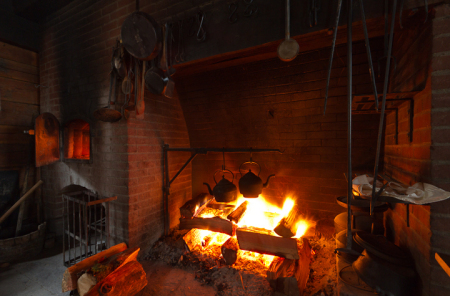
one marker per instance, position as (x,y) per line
(378,245)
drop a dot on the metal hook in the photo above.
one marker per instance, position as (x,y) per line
(201,33)
(233,12)
(250,10)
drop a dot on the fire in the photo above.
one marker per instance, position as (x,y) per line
(260,213)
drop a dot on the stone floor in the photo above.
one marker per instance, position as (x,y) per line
(42,277)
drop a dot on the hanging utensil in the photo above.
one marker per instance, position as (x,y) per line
(170,86)
(140,104)
(251,185)
(313,8)
(107,114)
(225,190)
(289,48)
(201,33)
(154,79)
(141,36)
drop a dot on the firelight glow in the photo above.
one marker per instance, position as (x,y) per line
(260,213)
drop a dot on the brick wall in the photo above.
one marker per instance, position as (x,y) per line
(421,56)
(127,156)
(440,144)
(230,108)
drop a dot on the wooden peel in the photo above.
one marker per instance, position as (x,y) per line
(289,48)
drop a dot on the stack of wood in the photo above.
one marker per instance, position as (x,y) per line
(112,272)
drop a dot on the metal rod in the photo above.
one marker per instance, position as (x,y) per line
(101,227)
(383,107)
(166,191)
(95,225)
(64,228)
(89,225)
(338,13)
(349,128)
(73,224)
(86,232)
(369,54)
(79,226)
(205,150)
(183,167)
(288,20)
(107,225)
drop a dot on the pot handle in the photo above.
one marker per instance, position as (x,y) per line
(249,162)
(223,171)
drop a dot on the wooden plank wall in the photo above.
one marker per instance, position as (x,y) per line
(19,105)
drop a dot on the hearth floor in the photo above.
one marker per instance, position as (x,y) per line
(344,289)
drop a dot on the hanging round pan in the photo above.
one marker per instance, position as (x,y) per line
(141,36)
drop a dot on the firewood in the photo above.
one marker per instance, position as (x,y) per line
(101,269)
(264,242)
(85,283)
(192,207)
(289,276)
(192,238)
(229,250)
(237,214)
(126,280)
(72,273)
(214,224)
(288,225)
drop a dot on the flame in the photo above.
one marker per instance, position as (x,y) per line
(260,213)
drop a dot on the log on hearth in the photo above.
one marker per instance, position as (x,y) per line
(192,239)
(229,250)
(262,241)
(213,224)
(237,214)
(287,227)
(289,276)
(126,280)
(72,273)
(194,206)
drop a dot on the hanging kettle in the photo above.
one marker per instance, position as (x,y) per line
(251,185)
(224,191)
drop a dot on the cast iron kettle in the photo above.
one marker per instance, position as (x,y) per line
(251,185)
(224,191)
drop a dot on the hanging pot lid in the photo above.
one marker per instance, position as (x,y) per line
(384,249)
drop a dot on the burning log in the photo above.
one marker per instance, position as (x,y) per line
(213,224)
(288,225)
(70,276)
(237,214)
(229,250)
(194,206)
(128,280)
(192,238)
(290,276)
(262,241)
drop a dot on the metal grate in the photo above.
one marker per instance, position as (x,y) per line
(85,225)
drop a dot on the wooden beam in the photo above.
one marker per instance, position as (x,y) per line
(70,276)
(213,224)
(262,241)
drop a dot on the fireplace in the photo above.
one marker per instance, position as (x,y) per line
(249,98)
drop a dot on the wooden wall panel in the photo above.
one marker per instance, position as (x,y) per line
(19,105)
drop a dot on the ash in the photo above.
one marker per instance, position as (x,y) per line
(248,275)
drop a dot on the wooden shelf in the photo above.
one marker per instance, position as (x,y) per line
(365,104)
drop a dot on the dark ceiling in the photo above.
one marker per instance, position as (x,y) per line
(37,10)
